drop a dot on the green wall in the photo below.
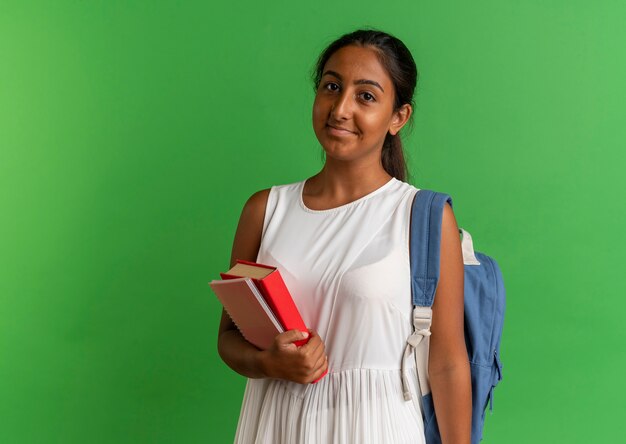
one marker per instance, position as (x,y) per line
(131,133)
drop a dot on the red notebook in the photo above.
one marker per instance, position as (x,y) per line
(273,288)
(270,285)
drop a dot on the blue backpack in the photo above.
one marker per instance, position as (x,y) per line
(484,312)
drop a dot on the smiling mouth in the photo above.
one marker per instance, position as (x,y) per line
(338,131)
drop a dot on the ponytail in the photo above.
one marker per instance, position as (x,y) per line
(393,157)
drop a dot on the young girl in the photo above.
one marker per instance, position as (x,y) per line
(340,241)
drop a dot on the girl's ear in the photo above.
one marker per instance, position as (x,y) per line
(400,118)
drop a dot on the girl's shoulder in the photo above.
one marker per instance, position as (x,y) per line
(258,201)
(254,208)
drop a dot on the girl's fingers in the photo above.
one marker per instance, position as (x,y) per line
(320,371)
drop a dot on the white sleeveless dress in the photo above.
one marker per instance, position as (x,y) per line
(348,271)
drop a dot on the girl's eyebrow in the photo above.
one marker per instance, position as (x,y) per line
(356,82)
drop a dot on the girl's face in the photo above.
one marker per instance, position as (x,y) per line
(353,108)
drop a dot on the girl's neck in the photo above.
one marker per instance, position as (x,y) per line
(335,185)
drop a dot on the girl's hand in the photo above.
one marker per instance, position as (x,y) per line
(285,360)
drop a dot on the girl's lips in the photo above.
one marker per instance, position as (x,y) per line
(338,132)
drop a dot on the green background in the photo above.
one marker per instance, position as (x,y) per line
(131,134)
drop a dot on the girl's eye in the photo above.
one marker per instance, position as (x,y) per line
(368,97)
(332,86)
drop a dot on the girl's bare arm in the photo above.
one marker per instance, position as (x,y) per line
(283,359)
(448,367)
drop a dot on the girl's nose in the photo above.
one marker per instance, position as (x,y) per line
(342,107)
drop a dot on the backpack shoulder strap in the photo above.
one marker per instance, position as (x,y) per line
(424,245)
